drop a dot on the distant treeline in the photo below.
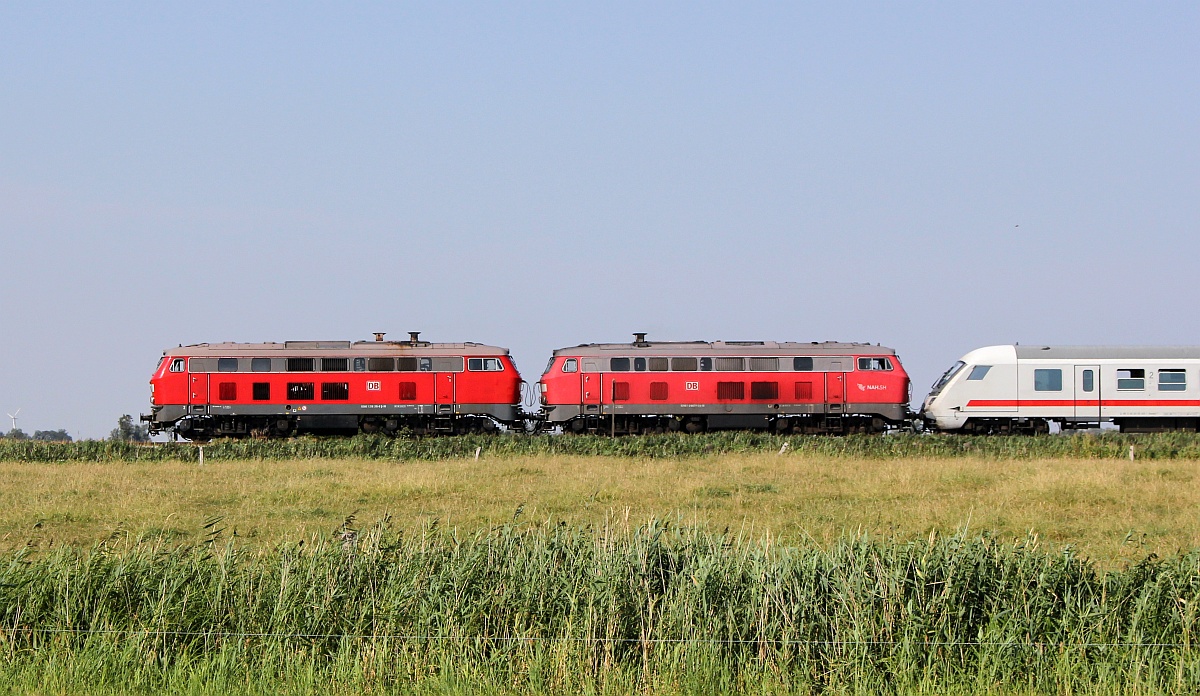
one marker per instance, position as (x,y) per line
(1084,446)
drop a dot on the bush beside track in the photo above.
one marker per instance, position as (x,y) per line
(1078,446)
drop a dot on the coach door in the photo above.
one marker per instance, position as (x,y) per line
(835,387)
(591,385)
(1087,392)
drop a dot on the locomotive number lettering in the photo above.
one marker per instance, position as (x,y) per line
(373,386)
(691,386)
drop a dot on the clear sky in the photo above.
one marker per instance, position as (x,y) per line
(932,176)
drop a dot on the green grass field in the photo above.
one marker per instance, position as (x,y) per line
(921,565)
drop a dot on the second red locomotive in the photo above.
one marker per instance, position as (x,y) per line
(658,386)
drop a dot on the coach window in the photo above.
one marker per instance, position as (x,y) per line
(1047,380)
(1172,380)
(684,364)
(802,364)
(1089,380)
(571,365)
(1131,380)
(360,364)
(978,373)
(876,364)
(658,364)
(619,365)
(260,364)
(177,365)
(706,364)
(639,364)
(227,365)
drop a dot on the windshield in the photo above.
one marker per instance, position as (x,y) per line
(954,369)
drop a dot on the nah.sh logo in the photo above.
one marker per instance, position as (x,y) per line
(872,387)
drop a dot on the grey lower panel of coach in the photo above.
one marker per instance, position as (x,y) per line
(565,412)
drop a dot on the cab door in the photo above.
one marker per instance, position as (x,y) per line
(198,388)
(591,384)
(443,388)
(835,386)
(1087,392)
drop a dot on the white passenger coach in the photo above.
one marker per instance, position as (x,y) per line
(1023,389)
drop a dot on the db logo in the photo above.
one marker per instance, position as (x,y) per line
(691,386)
(372,386)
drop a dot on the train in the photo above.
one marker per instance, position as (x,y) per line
(210,390)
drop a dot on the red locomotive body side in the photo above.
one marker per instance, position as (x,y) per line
(234,389)
(789,387)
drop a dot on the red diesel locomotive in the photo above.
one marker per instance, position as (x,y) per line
(657,386)
(335,387)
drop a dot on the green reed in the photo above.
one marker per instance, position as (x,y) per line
(614,609)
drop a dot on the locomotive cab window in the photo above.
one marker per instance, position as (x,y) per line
(1047,380)
(177,365)
(876,364)
(619,364)
(571,365)
(1172,380)
(978,373)
(802,364)
(227,364)
(485,365)
(639,364)
(1131,380)
(260,364)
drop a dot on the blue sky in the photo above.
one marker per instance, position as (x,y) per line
(931,176)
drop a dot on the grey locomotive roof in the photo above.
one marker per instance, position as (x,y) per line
(727,348)
(1105,352)
(318,348)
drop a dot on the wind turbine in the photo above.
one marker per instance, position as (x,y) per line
(13,416)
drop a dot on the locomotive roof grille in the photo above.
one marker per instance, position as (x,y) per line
(730,348)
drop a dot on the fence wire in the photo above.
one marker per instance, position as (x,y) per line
(13,632)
